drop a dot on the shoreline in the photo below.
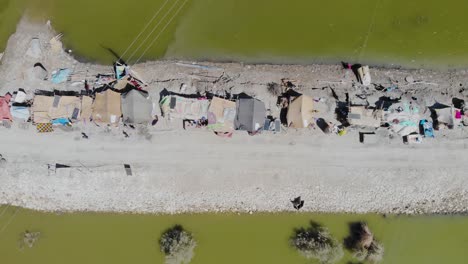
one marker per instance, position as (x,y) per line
(180,171)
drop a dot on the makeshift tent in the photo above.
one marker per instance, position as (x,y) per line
(444,116)
(185,108)
(40,109)
(86,108)
(5,108)
(221,114)
(136,107)
(250,115)
(122,83)
(65,107)
(106,107)
(20,112)
(300,112)
(361,116)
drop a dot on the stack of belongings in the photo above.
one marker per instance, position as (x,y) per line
(250,114)
(137,107)
(104,79)
(365,116)
(364,75)
(403,118)
(221,115)
(193,107)
(301,112)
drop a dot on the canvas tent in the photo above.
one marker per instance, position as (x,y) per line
(5,108)
(186,108)
(250,114)
(86,108)
(301,112)
(65,107)
(221,115)
(444,116)
(41,106)
(136,107)
(107,108)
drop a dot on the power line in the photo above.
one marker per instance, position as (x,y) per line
(152,31)
(10,220)
(4,210)
(371,27)
(144,29)
(157,37)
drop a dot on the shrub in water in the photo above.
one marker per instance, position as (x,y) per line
(363,244)
(177,245)
(28,239)
(315,242)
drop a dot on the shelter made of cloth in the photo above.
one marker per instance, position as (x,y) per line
(65,107)
(107,107)
(221,114)
(136,107)
(86,108)
(300,112)
(40,108)
(184,108)
(250,114)
(445,116)
(5,113)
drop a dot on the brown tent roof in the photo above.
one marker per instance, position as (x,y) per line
(221,114)
(86,108)
(41,107)
(107,107)
(65,108)
(300,112)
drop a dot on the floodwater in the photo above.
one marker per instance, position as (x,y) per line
(409,33)
(222,238)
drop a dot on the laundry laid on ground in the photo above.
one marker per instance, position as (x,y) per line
(122,98)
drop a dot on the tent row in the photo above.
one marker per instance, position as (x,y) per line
(134,106)
(57,107)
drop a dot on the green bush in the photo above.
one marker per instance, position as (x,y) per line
(177,245)
(362,243)
(315,242)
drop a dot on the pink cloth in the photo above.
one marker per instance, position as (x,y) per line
(458,114)
(5,107)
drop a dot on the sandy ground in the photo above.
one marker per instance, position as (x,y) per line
(195,171)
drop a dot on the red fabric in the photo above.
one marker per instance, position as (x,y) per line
(5,107)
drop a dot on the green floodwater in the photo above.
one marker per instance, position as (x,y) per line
(222,238)
(411,33)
